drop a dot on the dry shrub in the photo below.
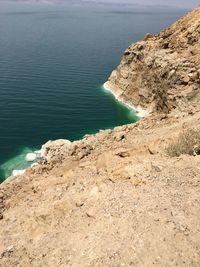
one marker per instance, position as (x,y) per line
(188,142)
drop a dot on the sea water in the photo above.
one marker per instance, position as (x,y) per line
(54,59)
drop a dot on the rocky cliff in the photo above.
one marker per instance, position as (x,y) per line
(162,72)
(117,198)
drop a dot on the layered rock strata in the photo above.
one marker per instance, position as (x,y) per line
(162,72)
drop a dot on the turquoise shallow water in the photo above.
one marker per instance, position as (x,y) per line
(53,62)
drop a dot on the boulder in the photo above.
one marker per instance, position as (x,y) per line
(54,149)
(193,76)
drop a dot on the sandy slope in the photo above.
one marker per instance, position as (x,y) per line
(124,204)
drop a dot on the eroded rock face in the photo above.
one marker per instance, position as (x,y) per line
(52,149)
(158,73)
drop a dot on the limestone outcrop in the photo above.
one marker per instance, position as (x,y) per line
(52,149)
(162,72)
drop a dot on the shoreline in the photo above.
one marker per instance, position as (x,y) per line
(32,156)
(17,165)
(141,113)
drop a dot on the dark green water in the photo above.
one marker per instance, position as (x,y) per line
(53,61)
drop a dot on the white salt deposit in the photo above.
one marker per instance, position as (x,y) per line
(38,153)
(140,112)
(18,172)
(34,164)
(31,157)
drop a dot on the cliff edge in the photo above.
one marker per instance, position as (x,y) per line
(162,72)
(128,196)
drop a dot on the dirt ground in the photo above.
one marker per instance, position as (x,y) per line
(125,204)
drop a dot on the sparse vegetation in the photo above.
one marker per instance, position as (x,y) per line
(188,142)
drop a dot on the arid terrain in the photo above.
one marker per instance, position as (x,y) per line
(117,198)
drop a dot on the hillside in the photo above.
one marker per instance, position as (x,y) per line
(162,72)
(117,198)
